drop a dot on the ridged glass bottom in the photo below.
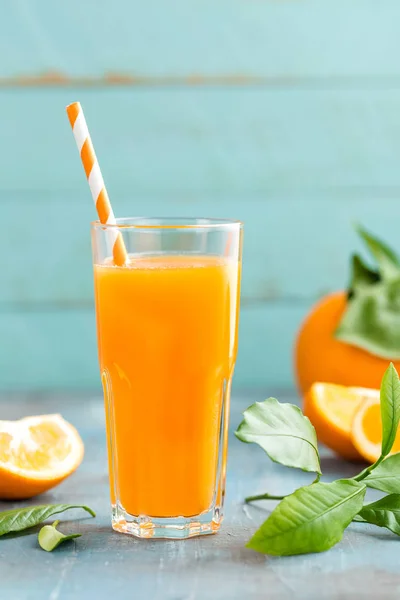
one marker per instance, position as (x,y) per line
(182,528)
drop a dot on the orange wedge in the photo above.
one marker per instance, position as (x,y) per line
(331,409)
(36,453)
(366,432)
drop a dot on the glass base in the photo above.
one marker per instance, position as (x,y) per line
(180,528)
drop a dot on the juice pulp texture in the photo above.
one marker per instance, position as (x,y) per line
(167,333)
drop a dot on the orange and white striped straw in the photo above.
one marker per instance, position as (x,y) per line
(95,180)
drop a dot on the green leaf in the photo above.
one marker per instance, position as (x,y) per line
(371,320)
(49,538)
(384,513)
(362,274)
(22,518)
(285,434)
(312,519)
(390,408)
(386,476)
(388,261)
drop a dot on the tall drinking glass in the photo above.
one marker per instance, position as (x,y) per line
(167,325)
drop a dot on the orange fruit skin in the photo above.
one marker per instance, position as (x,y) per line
(332,436)
(15,487)
(320,357)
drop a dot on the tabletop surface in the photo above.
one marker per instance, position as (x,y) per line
(103,563)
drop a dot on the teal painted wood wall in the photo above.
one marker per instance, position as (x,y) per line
(283,113)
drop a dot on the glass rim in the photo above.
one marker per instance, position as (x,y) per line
(168,223)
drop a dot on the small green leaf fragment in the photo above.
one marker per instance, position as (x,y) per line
(49,537)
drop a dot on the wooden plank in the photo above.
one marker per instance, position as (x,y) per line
(57,349)
(295,249)
(239,141)
(289,41)
(103,564)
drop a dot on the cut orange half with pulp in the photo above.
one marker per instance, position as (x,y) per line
(36,453)
(366,433)
(331,409)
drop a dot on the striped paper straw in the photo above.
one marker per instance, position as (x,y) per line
(95,179)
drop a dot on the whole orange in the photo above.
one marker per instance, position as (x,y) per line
(319,356)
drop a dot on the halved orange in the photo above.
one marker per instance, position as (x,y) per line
(331,409)
(37,453)
(366,431)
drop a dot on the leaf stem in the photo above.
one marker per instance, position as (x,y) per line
(272,496)
(263,497)
(369,469)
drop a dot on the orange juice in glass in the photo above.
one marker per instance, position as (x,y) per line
(167,326)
